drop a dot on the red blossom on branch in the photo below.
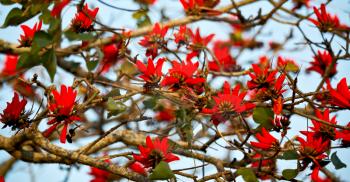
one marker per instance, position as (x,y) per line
(110,56)
(84,18)
(182,75)
(154,40)
(57,9)
(151,155)
(61,108)
(26,39)
(320,130)
(261,78)
(321,61)
(183,35)
(14,114)
(197,7)
(341,96)
(266,140)
(198,42)
(315,176)
(10,65)
(151,74)
(227,103)
(224,62)
(325,21)
(99,175)
(313,148)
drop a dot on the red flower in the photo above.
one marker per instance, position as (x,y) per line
(227,103)
(165,114)
(266,140)
(110,56)
(198,42)
(83,20)
(10,65)
(61,108)
(224,62)
(325,21)
(151,74)
(149,2)
(344,135)
(14,115)
(321,62)
(264,165)
(99,175)
(27,38)
(261,78)
(341,96)
(316,178)
(196,7)
(300,3)
(181,75)
(151,155)
(321,130)
(2,179)
(154,40)
(313,147)
(183,35)
(56,11)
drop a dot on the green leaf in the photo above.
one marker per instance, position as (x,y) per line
(114,108)
(162,172)
(50,63)
(78,36)
(263,116)
(247,174)
(17,16)
(289,173)
(150,103)
(7,2)
(290,155)
(338,164)
(28,60)
(41,39)
(114,92)
(91,65)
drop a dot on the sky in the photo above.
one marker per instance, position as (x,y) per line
(120,19)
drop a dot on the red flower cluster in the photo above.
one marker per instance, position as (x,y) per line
(325,21)
(99,175)
(61,108)
(321,61)
(110,56)
(263,165)
(151,74)
(300,3)
(14,115)
(320,130)
(196,7)
(57,9)
(83,20)
(148,2)
(341,96)
(224,62)
(154,40)
(227,103)
(266,140)
(27,38)
(261,78)
(198,43)
(183,35)
(151,155)
(287,64)
(344,135)
(313,148)
(315,176)
(10,65)
(182,75)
